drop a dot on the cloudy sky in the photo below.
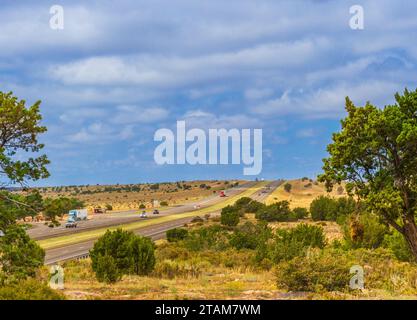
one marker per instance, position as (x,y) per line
(118,71)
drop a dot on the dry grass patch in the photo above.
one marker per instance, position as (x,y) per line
(331,229)
(213,283)
(302,193)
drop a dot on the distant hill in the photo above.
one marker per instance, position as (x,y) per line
(303,192)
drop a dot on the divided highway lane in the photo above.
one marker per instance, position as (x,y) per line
(155,232)
(40,232)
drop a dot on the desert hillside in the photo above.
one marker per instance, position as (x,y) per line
(302,192)
(126,197)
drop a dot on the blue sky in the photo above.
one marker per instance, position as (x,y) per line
(119,71)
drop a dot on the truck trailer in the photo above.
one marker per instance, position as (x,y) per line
(74,216)
(78,215)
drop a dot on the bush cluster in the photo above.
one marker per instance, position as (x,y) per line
(122,252)
(29,289)
(250,236)
(364,231)
(213,237)
(176,234)
(281,212)
(315,273)
(325,208)
(230,215)
(295,242)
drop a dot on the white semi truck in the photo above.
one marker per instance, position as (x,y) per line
(74,216)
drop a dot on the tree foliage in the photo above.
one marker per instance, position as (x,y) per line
(375,152)
(57,207)
(20,256)
(19,130)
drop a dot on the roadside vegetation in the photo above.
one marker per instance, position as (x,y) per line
(20,257)
(256,259)
(253,250)
(371,166)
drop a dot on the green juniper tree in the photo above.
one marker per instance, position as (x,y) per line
(19,131)
(376,153)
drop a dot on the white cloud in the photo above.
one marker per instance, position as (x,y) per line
(329,102)
(81,114)
(132,114)
(206,120)
(306,133)
(173,71)
(258,93)
(100,133)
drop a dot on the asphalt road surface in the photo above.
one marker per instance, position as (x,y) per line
(155,232)
(39,231)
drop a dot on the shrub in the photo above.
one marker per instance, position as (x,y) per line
(250,236)
(121,252)
(300,213)
(254,206)
(177,269)
(308,235)
(279,211)
(322,208)
(397,244)
(176,234)
(326,208)
(345,207)
(287,187)
(115,244)
(164,204)
(142,252)
(106,269)
(295,242)
(142,206)
(213,237)
(30,289)
(171,251)
(322,272)
(20,256)
(197,219)
(109,207)
(243,202)
(364,231)
(229,217)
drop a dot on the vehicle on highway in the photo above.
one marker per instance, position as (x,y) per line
(71,224)
(222,194)
(155,211)
(77,215)
(143,214)
(74,216)
(99,210)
